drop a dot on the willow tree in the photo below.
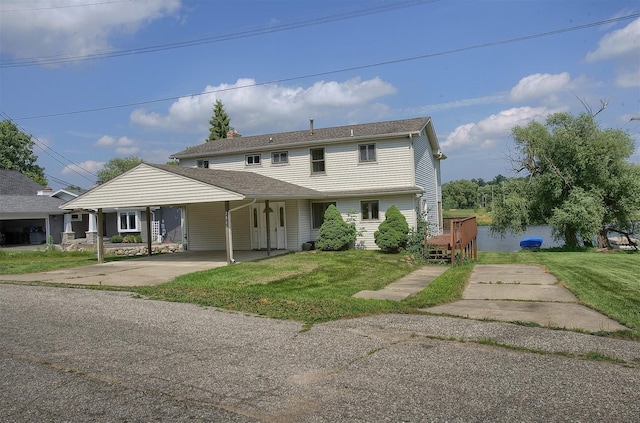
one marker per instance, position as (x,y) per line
(578,180)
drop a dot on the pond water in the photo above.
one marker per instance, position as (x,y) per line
(511,243)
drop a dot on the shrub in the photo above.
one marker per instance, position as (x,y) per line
(335,234)
(132,239)
(116,239)
(391,235)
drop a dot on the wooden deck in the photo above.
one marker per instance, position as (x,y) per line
(457,243)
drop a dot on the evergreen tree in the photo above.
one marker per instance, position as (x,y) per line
(392,234)
(219,123)
(335,234)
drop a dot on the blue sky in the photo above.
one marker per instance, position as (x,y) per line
(97,79)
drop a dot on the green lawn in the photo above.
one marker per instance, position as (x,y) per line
(482,215)
(13,262)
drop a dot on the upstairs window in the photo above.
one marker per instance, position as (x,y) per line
(252,159)
(367,152)
(129,221)
(369,209)
(280,157)
(317,160)
(203,163)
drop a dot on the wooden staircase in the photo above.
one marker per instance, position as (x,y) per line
(457,243)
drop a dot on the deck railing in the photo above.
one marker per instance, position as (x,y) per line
(459,238)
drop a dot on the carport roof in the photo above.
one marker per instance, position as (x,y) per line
(158,185)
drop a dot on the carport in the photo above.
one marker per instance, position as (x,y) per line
(149,185)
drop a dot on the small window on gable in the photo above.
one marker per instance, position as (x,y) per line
(317,160)
(203,163)
(367,152)
(369,209)
(280,157)
(252,159)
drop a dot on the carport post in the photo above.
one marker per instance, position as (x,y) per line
(100,243)
(149,230)
(267,212)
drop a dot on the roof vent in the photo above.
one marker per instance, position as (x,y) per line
(270,139)
(311,126)
(352,132)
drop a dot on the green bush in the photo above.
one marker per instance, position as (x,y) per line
(335,234)
(133,239)
(392,234)
(116,239)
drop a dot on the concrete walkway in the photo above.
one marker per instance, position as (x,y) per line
(406,286)
(525,293)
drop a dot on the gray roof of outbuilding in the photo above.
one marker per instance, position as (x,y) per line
(295,138)
(249,184)
(30,204)
(13,182)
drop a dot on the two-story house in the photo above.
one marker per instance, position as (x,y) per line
(276,187)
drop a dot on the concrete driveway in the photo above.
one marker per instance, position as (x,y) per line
(141,271)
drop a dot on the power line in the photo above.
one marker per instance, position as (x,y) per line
(65,6)
(45,148)
(108,53)
(349,69)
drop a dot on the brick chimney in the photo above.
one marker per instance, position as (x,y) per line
(233,134)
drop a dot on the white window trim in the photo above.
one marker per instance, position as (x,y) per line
(246,159)
(76,217)
(375,151)
(324,160)
(128,212)
(280,153)
(372,218)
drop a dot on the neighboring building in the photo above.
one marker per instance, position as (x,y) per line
(362,169)
(29,212)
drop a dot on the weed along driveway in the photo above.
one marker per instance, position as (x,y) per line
(142,271)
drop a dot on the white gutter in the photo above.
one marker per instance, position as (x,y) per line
(229,223)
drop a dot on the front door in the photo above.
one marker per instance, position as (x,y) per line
(277,226)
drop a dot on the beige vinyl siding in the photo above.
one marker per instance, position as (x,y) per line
(206,227)
(304,222)
(292,225)
(405,203)
(142,188)
(392,167)
(427,176)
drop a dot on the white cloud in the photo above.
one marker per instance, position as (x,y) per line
(90,166)
(487,132)
(618,44)
(40,28)
(123,146)
(628,78)
(539,85)
(263,108)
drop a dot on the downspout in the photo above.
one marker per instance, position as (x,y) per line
(230,258)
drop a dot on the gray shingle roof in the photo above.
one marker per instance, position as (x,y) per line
(30,204)
(249,184)
(13,182)
(319,136)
